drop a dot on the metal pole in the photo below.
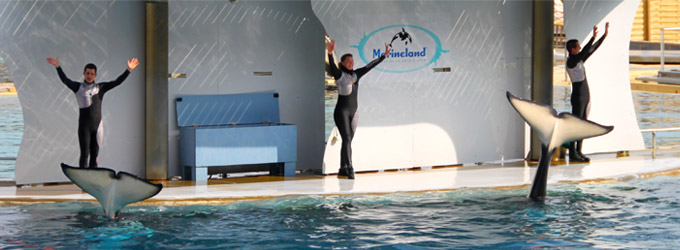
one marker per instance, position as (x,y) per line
(156,45)
(662,49)
(542,63)
(654,139)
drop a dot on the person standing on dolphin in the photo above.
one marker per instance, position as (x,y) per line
(580,93)
(345,114)
(89,96)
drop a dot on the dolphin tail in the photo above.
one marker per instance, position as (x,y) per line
(113,191)
(539,186)
(553,130)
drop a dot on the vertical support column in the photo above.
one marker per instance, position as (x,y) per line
(662,47)
(542,63)
(156,102)
(645,17)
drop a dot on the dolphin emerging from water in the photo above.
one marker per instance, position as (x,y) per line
(113,191)
(553,130)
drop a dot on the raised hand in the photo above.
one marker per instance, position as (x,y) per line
(132,64)
(330,47)
(606,28)
(387,50)
(594,31)
(53,61)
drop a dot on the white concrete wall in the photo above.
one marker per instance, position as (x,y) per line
(611,99)
(219,45)
(106,33)
(410,116)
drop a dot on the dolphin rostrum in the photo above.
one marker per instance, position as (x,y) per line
(113,191)
(553,131)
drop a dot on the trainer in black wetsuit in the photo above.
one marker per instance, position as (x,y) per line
(580,95)
(89,96)
(345,114)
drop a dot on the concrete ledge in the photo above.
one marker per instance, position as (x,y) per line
(7,183)
(644,45)
(659,79)
(602,168)
(653,56)
(655,87)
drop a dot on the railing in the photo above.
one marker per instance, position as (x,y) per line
(8,158)
(662,47)
(655,130)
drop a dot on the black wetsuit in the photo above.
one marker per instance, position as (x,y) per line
(89,97)
(580,94)
(345,114)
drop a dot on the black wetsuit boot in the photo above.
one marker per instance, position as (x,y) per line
(343,167)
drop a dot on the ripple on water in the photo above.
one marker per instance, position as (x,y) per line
(639,213)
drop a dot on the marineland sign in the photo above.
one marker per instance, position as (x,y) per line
(413,48)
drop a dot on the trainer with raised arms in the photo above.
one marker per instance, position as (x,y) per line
(89,96)
(580,94)
(345,114)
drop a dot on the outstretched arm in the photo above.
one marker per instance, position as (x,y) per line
(335,72)
(363,70)
(132,64)
(590,49)
(73,86)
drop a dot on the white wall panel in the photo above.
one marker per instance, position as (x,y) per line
(219,45)
(411,116)
(106,33)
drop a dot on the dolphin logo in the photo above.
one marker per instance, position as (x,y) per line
(113,191)
(553,130)
(403,35)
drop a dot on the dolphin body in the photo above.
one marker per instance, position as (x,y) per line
(113,191)
(553,130)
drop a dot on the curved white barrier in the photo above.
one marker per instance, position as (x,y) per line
(607,70)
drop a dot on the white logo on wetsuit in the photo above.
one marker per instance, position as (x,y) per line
(85,94)
(577,73)
(345,83)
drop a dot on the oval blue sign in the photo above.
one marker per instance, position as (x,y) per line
(409,51)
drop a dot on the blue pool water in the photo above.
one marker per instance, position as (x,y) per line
(11,130)
(641,213)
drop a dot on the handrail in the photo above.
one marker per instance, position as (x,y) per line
(654,130)
(647,130)
(8,158)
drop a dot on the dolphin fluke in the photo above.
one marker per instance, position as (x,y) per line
(553,130)
(113,191)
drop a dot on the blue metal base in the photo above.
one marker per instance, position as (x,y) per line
(233,130)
